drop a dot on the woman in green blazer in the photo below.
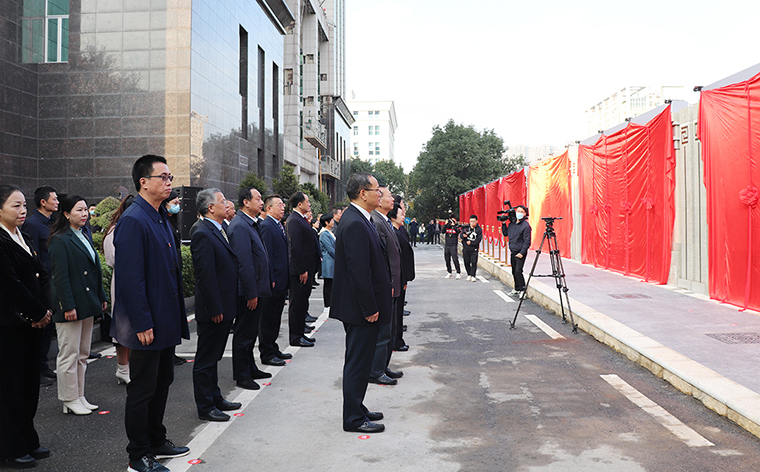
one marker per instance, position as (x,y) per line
(78,296)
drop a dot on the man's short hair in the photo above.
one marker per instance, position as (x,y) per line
(297,198)
(356,183)
(336,210)
(205,198)
(474,216)
(244,194)
(397,199)
(143,167)
(269,200)
(42,193)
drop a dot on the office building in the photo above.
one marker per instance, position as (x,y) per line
(373,133)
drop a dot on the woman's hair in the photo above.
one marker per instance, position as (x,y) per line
(394,212)
(128,200)
(324,219)
(62,223)
(6,191)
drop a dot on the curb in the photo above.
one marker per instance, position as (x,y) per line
(724,396)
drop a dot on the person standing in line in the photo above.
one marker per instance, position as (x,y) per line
(337,212)
(518,233)
(25,309)
(413,231)
(255,275)
(471,238)
(215,265)
(430,232)
(149,313)
(422,233)
(397,217)
(361,298)
(451,247)
(172,206)
(327,246)
(37,225)
(438,230)
(78,296)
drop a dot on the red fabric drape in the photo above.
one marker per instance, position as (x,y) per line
(467,205)
(512,188)
(461,206)
(478,203)
(549,194)
(627,182)
(729,129)
(492,206)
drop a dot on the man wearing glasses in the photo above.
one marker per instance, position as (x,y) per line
(149,312)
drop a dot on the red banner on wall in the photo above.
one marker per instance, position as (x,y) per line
(729,129)
(492,206)
(549,194)
(467,205)
(512,188)
(627,182)
(461,206)
(479,203)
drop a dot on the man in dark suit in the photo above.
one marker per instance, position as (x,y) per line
(361,298)
(303,248)
(407,274)
(254,282)
(381,374)
(276,244)
(216,282)
(149,312)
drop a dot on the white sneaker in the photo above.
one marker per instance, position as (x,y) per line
(469,278)
(474,279)
(448,276)
(459,276)
(513,292)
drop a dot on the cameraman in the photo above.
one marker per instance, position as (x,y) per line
(451,246)
(518,233)
(471,238)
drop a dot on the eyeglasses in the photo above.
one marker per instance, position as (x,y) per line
(375,189)
(164,177)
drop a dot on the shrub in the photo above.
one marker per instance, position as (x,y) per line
(253,180)
(105,210)
(107,277)
(188,276)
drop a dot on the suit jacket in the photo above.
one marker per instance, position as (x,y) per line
(77,279)
(37,226)
(195,226)
(407,255)
(389,240)
(215,265)
(255,274)
(327,244)
(24,283)
(276,244)
(149,283)
(362,282)
(303,245)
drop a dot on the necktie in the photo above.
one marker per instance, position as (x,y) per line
(282,228)
(224,233)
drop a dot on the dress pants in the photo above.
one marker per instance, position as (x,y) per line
(397,325)
(470,257)
(47,338)
(517,271)
(74,342)
(449,252)
(327,291)
(360,351)
(298,305)
(384,347)
(244,337)
(150,373)
(269,325)
(212,339)
(19,389)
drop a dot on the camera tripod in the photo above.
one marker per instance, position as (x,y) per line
(558,273)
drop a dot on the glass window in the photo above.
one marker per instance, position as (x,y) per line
(45,30)
(377,131)
(377,149)
(370,131)
(356,131)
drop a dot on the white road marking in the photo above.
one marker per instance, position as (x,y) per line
(673,424)
(482,279)
(544,327)
(503,296)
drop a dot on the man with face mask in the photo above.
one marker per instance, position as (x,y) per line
(518,233)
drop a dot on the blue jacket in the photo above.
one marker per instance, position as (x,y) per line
(216,274)
(37,226)
(255,274)
(149,286)
(327,244)
(277,248)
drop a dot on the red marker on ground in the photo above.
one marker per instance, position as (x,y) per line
(194,461)
(104,412)
(239,414)
(267,383)
(364,436)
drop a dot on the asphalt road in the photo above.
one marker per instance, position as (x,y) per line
(476,396)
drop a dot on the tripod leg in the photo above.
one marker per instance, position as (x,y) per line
(564,289)
(527,282)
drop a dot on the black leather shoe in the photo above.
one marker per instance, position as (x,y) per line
(48,373)
(394,375)
(367,427)
(248,384)
(308,338)
(407,312)
(374,415)
(23,462)
(308,329)
(214,415)
(276,361)
(260,374)
(403,348)
(404,328)
(284,355)
(228,406)
(147,463)
(303,343)
(95,355)
(169,450)
(45,381)
(178,360)
(310,319)
(40,453)
(383,380)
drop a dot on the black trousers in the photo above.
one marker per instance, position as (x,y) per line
(360,352)
(384,346)
(243,339)
(517,271)
(19,389)
(449,252)
(269,324)
(150,373)
(212,338)
(298,305)
(397,325)
(414,240)
(470,257)
(47,338)
(327,291)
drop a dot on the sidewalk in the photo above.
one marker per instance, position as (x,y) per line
(704,348)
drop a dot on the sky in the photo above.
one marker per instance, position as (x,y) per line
(529,69)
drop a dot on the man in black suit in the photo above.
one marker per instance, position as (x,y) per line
(361,298)
(303,249)
(276,244)
(254,282)
(216,281)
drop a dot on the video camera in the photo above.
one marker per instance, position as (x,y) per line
(508,214)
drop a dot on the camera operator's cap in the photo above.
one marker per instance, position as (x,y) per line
(474,216)
(523,207)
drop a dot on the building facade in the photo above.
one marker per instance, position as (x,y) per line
(373,133)
(91,85)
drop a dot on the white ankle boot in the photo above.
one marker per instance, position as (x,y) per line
(122,374)
(75,407)
(87,404)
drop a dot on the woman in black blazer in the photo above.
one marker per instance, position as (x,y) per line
(78,296)
(25,308)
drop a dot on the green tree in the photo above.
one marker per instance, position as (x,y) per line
(358,165)
(320,202)
(455,159)
(253,180)
(286,183)
(392,175)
